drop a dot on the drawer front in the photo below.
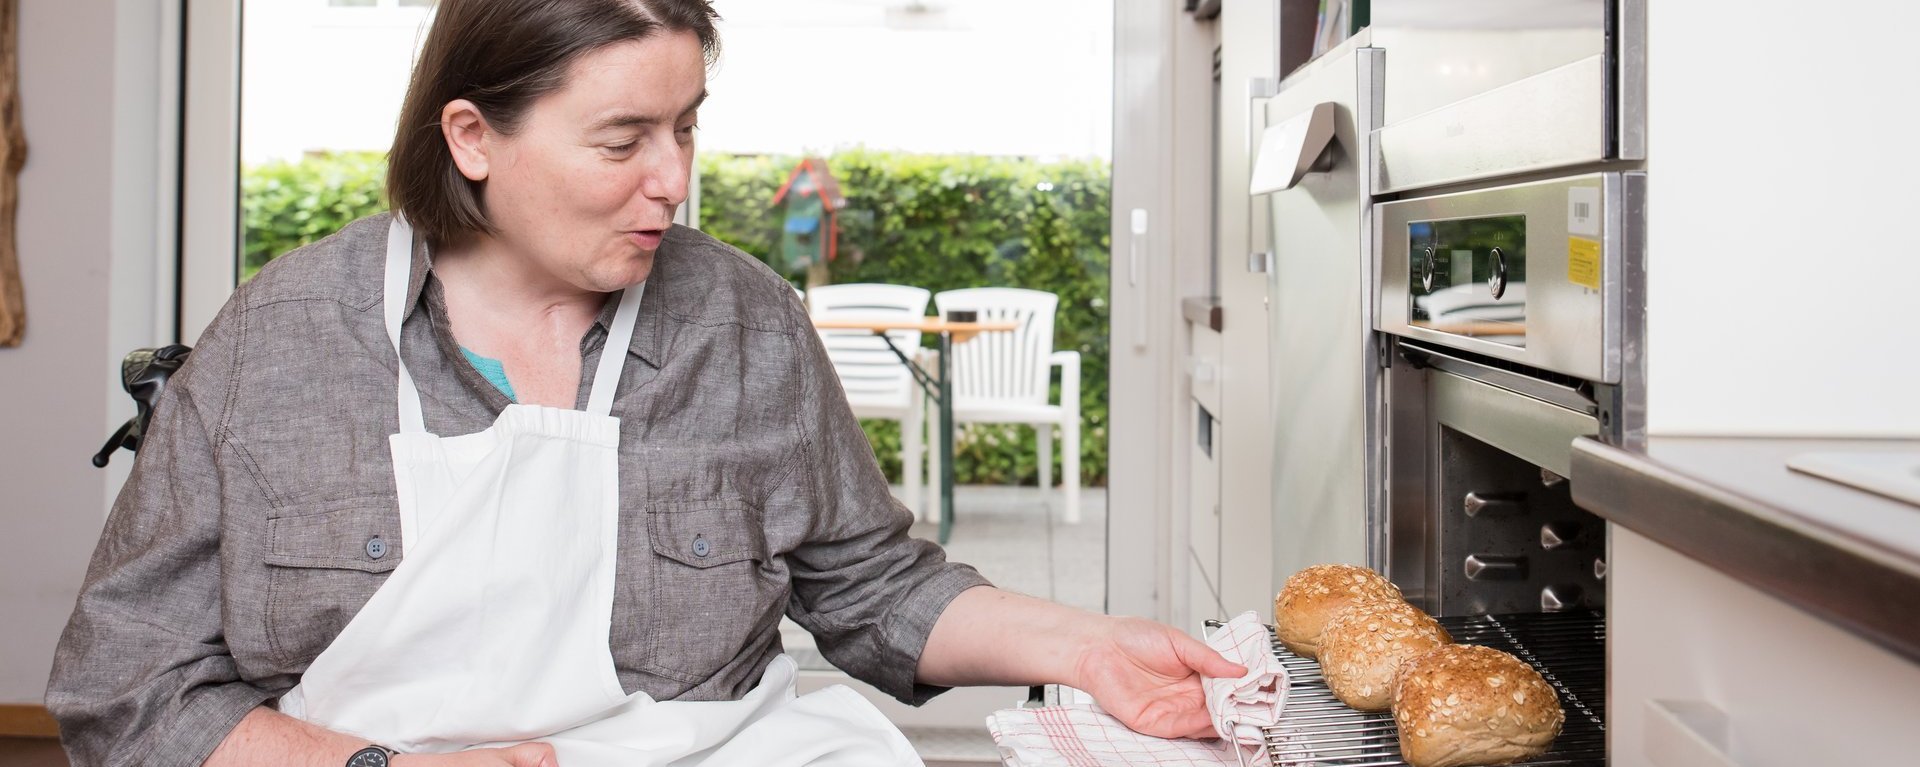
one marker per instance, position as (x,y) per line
(1705,670)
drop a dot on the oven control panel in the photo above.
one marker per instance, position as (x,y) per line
(1530,273)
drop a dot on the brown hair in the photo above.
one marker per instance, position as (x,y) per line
(503,55)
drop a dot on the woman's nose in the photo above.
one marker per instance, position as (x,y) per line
(668,175)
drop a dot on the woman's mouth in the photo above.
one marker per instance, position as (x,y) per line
(647,239)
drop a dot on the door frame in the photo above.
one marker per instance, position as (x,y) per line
(210,164)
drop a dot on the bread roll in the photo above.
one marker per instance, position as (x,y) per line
(1313,596)
(1464,705)
(1365,644)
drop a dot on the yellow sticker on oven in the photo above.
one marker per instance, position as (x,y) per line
(1583,262)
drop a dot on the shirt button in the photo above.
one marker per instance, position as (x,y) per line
(700,546)
(376,548)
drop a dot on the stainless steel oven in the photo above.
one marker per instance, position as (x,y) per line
(1509,321)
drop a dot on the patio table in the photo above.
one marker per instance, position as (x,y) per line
(941,390)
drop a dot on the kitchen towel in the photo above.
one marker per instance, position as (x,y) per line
(1086,736)
(1240,707)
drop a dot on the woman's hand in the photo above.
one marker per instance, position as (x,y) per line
(1147,675)
(523,755)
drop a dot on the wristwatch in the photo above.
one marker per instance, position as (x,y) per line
(371,756)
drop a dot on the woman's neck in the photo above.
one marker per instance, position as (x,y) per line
(499,298)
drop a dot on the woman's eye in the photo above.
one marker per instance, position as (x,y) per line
(687,132)
(621,148)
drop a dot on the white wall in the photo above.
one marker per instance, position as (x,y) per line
(996,77)
(1783,281)
(86,218)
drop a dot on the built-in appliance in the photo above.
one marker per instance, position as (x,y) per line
(1510,319)
(1481,89)
(1456,200)
(1506,327)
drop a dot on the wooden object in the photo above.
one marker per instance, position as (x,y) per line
(961,331)
(13,156)
(26,721)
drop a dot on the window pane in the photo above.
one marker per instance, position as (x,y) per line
(313,139)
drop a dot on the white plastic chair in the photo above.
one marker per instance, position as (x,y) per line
(1003,376)
(877,384)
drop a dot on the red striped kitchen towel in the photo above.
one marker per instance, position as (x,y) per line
(1085,736)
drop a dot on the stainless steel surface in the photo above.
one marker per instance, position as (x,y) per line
(1495,504)
(1561,598)
(1538,432)
(1292,148)
(1554,535)
(1495,567)
(1846,556)
(1553,120)
(1566,648)
(1322,357)
(1553,392)
(1567,320)
(1629,47)
(1440,53)
(1479,89)
(1373,346)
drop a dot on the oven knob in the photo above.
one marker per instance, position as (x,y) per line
(1498,280)
(1491,504)
(1559,598)
(1553,535)
(1426,272)
(1495,567)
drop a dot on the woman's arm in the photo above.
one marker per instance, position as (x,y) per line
(267,736)
(1146,674)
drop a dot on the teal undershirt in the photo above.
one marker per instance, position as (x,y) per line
(492,370)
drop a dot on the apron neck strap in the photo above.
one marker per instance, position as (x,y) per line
(613,354)
(399,271)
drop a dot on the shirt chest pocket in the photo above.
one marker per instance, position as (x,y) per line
(711,596)
(322,567)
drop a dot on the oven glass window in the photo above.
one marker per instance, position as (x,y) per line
(1469,277)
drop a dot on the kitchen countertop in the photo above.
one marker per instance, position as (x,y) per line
(1846,555)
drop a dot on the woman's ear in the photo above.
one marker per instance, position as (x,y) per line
(466,132)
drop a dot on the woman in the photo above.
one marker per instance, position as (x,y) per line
(654,463)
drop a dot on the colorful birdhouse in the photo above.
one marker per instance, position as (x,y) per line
(809,237)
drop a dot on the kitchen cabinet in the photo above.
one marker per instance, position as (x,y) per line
(1706,670)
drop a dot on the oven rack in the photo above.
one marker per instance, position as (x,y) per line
(1568,649)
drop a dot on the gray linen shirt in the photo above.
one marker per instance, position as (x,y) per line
(238,549)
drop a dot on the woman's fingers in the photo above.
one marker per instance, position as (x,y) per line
(532,755)
(1206,660)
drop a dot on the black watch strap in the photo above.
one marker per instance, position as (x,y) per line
(371,756)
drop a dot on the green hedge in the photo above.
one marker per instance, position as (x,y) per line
(285,205)
(936,222)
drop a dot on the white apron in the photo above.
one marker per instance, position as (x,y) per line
(494,629)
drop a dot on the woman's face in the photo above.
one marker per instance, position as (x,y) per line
(589,184)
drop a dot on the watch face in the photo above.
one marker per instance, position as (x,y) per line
(368,757)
